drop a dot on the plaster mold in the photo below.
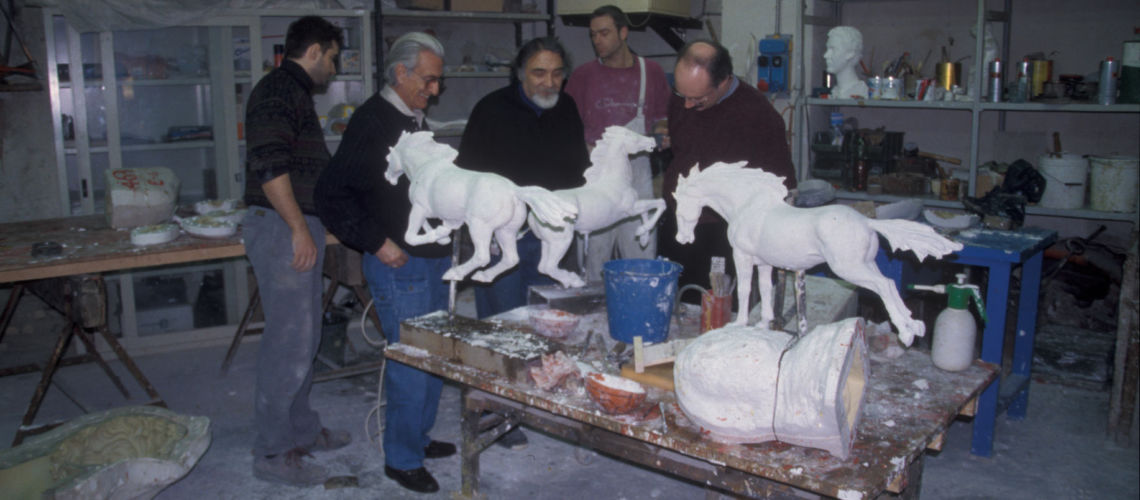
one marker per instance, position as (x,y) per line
(750,385)
(140,196)
(607,198)
(766,232)
(131,452)
(489,204)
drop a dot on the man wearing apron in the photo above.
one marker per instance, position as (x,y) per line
(619,88)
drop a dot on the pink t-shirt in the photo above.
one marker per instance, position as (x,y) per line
(608,96)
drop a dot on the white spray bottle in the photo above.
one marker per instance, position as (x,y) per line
(955,331)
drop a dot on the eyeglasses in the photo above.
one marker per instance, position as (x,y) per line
(696,101)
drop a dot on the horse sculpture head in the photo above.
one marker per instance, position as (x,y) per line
(689,204)
(414,149)
(613,150)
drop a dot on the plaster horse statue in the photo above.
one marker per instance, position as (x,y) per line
(607,197)
(766,232)
(490,204)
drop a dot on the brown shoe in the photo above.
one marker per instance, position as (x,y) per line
(289,468)
(330,439)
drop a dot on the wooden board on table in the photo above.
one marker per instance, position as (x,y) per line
(660,376)
(488,346)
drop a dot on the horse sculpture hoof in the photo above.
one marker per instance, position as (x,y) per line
(482,277)
(452,275)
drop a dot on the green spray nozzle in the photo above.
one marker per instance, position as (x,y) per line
(958,294)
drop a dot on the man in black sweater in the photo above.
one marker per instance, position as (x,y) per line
(530,133)
(368,214)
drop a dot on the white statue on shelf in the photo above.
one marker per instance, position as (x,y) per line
(766,232)
(607,198)
(490,204)
(844,51)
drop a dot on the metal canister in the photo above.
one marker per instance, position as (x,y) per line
(1106,90)
(995,70)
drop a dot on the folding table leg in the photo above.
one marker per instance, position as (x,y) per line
(254,301)
(10,308)
(45,381)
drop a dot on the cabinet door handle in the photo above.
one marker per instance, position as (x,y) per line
(83,188)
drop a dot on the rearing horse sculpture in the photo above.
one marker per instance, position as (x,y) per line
(607,198)
(490,204)
(766,232)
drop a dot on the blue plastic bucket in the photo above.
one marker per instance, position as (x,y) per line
(639,298)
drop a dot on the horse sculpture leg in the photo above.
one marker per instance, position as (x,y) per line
(866,275)
(642,208)
(507,236)
(554,246)
(481,239)
(417,220)
(744,265)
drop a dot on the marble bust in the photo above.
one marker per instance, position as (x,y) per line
(844,50)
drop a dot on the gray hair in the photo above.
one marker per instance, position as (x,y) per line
(406,51)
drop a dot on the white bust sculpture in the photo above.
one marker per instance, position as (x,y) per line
(844,50)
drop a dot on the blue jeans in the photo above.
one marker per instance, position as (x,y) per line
(510,289)
(291,301)
(414,289)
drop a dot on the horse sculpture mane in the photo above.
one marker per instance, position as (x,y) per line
(759,182)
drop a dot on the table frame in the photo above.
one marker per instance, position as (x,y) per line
(1000,252)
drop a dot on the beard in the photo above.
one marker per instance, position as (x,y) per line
(545,101)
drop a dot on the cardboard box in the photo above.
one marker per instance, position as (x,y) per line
(420,4)
(477,5)
(679,8)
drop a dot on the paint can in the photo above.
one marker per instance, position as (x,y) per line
(1042,74)
(995,80)
(1113,183)
(948,74)
(890,88)
(1021,89)
(640,294)
(1065,179)
(1106,89)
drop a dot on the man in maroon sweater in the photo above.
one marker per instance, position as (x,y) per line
(714,116)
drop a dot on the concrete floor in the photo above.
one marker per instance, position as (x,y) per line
(1060,451)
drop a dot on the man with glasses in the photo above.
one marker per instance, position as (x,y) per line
(368,214)
(619,88)
(714,116)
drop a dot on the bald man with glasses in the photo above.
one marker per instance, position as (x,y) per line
(714,116)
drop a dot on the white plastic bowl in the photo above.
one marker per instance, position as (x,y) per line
(155,234)
(208,226)
(205,207)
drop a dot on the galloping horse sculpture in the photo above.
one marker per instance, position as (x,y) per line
(607,197)
(766,232)
(490,204)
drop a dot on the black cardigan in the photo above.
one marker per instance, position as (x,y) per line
(353,199)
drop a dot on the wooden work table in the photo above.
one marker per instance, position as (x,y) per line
(908,406)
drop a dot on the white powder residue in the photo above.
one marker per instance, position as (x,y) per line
(889,423)
(849,495)
(617,382)
(795,471)
(921,384)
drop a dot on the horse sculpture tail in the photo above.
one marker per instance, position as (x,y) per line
(551,209)
(918,238)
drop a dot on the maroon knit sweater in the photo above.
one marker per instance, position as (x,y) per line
(744,126)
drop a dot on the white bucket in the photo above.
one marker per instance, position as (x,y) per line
(1065,179)
(1114,183)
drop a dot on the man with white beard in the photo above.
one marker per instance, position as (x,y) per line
(530,133)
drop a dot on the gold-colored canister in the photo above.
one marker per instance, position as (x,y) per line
(1042,73)
(948,74)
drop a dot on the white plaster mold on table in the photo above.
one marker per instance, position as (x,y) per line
(750,385)
(766,232)
(489,204)
(608,197)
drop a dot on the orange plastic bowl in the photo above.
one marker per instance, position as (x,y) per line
(614,400)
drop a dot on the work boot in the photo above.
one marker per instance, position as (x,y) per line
(513,440)
(330,439)
(289,468)
(418,480)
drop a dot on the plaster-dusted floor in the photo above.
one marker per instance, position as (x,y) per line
(1060,451)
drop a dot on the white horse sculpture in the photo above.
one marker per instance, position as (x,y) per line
(607,198)
(766,232)
(490,204)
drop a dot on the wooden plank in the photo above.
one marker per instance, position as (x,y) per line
(659,376)
(495,348)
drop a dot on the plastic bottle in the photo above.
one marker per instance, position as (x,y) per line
(955,331)
(836,124)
